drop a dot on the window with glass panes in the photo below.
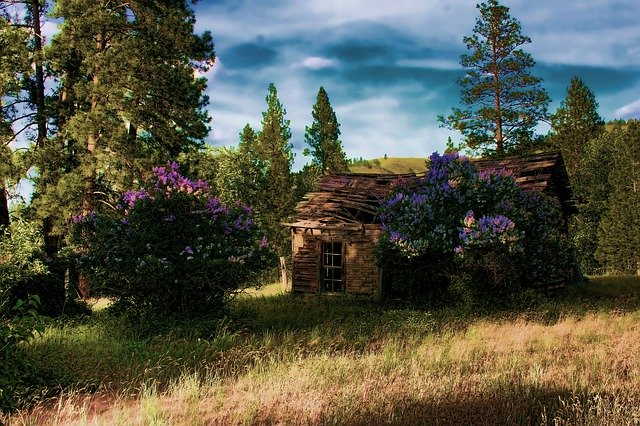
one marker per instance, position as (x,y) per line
(332,267)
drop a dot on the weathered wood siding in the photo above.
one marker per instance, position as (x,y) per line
(361,275)
(306,262)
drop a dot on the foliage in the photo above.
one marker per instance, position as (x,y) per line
(15,369)
(502,101)
(305,180)
(272,150)
(15,68)
(573,126)
(362,162)
(172,248)
(24,271)
(474,232)
(129,96)
(323,136)
(575,123)
(593,189)
(619,233)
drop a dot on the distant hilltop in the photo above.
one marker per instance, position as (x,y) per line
(388,165)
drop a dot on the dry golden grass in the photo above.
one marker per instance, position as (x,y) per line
(392,165)
(583,367)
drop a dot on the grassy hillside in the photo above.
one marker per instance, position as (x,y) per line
(390,165)
(277,359)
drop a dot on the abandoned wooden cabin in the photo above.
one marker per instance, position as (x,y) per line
(334,229)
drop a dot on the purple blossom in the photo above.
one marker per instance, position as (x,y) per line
(215,207)
(130,197)
(263,243)
(395,236)
(169,179)
(84,217)
(394,200)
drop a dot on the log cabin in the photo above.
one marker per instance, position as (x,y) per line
(335,228)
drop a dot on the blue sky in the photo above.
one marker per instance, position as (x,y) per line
(389,66)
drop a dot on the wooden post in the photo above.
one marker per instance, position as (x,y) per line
(283,274)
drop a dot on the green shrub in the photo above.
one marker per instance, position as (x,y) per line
(15,370)
(24,271)
(171,248)
(471,235)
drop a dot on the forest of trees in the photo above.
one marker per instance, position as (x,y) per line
(118,91)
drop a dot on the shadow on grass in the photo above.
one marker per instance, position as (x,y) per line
(352,315)
(506,405)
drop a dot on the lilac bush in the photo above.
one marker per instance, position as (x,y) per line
(172,247)
(460,227)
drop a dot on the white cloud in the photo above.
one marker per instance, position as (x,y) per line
(433,63)
(315,63)
(397,118)
(631,110)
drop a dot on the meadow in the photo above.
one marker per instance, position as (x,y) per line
(568,358)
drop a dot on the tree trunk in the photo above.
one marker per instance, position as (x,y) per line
(4,208)
(41,118)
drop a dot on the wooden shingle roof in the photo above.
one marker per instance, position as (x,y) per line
(544,172)
(344,200)
(347,201)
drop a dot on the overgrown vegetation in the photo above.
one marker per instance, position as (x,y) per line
(569,359)
(171,248)
(470,236)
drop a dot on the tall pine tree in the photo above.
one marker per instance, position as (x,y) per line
(323,137)
(575,130)
(275,199)
(129,97)
(575,123)
(502,101)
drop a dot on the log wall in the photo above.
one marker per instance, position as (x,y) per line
(361,275)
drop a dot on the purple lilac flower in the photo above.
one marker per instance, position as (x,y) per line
(171,179)
(394,200)
(130,197)
(84,217)
(263,243)
(395,236)
(215,207)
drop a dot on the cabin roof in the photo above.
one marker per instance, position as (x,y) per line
(348,201)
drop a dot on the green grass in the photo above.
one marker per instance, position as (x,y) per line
(392,165)
(567,359)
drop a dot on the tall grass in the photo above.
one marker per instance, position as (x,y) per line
(573,358)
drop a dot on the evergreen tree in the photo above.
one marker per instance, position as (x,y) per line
(238,175)
(275,199)
(502,101)
(575,123)
(591,190)
(128,97)
(323,136)
(619,238)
